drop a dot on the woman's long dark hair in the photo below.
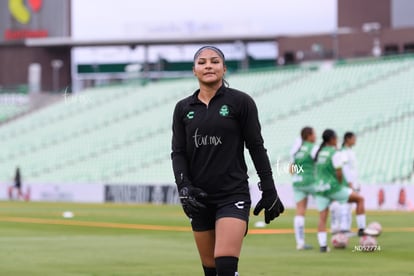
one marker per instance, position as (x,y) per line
(347,135)
(327,136)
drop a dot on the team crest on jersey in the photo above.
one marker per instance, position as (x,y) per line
(224,110)
(190,115)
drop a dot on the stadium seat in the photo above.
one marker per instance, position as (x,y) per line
(122,134)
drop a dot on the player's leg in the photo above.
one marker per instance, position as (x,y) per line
(27,195)
(301,199)
(20,193)
(10,192)
(229,238)
(360,211)
(349,216)
(345,217)
(360,202)
(204,234)
(322,234)
(205,241)
(231,227)
(345,194)
(323,208)
(335,209)
(299,223)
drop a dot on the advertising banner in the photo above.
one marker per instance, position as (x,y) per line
(56,192)
(377,197)
(156,194)
(21,19)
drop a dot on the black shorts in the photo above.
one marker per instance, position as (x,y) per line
(206,219)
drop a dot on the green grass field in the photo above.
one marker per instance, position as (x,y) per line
(107,239)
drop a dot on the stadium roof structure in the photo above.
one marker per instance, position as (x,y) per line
(72,42)
(168,40)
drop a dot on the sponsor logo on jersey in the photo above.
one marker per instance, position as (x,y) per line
(190,115)
(206,140)
(224,110)
(239,204)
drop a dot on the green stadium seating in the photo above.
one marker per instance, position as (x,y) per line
(12,104)
(122,134)
(10,111)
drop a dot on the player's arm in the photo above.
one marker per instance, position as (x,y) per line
(178,147)
(346,170)
(339,174)
(189,195)
(350,177)
(292,168)
(254,142)
(295,148)
(292,165)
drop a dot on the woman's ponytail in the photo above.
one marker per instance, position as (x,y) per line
(327,135)
(320,148)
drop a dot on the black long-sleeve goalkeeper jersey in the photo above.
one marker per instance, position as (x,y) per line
(208,144)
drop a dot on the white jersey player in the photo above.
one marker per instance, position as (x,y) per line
(342,213)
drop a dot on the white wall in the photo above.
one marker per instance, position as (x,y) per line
(128,19)
(131,18)
(402,13)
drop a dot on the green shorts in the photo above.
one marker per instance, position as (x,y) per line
(302,192)
(342,196)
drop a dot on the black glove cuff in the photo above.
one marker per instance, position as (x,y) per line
(182,181)
(267,187)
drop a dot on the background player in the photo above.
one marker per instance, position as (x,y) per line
(303,180)
(341,220)
(17,186)
(210,129)
(329,187)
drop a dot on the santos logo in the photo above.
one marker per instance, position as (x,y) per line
(22,13)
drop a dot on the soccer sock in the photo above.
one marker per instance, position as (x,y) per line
(349,218)
(361,221)
(335,216)
(227,266)
(299,224)
(344,223)
(209,271)
(322,238)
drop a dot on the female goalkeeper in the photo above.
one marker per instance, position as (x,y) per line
(210,129)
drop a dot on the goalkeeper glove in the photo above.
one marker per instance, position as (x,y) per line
(189,197)
(270,202)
